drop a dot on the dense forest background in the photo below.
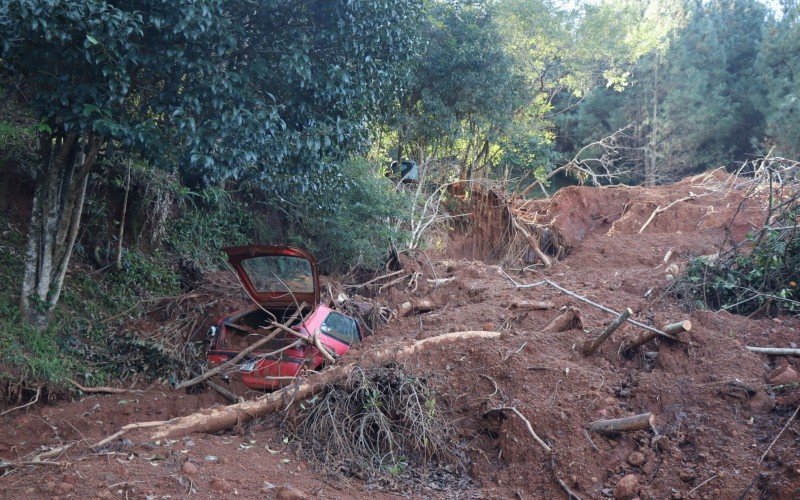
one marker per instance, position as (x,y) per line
(139,137)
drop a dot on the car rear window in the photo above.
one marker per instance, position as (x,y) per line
(279,273)
(341,328)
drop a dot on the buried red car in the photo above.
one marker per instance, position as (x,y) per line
(279,279)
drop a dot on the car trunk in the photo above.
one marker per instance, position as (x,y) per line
(276,276)
(250,325)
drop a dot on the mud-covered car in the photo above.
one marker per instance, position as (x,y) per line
(279,279)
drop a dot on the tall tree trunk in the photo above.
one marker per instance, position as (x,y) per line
(55,219)
(650,162)
(118,260)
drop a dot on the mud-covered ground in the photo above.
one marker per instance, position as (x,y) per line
(717,406)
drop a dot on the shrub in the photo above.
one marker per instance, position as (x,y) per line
(743,282)
(351,221)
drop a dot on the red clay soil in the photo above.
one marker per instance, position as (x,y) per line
(715,410)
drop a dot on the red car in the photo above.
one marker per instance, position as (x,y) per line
(279,279)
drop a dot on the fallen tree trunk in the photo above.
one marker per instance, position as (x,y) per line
(645,337)
(216,419)
(775,351)
(625,424)
(531,242)
(416,306)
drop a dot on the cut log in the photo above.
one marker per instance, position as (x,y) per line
(441,281)
(217,419)
(416,307)
(645,337)
(625,424)
(676,328)
(587,301)
(101,390)
(775,351)
(532,304)
(667,256)
(608,331)
(568,320)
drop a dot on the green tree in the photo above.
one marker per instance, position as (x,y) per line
(779,72)
(462,91)
(709,117)
(266,90)
(693,97)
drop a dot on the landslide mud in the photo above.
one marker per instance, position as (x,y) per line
(716,412)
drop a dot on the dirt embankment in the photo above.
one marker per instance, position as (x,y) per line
(717,406)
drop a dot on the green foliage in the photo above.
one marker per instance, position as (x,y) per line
(778,70)
(697,97)
(191,85)
(353,221)
(574,49)
(766,277)
(462,88)
(144,275)
(79,343)
(26,354)
(130,355)
(208,221)
(707,101)
(528,152)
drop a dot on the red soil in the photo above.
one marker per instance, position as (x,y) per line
(706,426)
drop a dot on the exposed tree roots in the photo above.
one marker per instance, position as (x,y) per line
(380,421)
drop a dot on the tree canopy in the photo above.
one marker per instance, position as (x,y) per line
(278,97)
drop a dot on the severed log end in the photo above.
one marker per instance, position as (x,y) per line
(570,319)
(532,304)
(675,328)
(625,424)
(416,307)
(645,337)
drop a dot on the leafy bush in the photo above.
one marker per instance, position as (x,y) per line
(207,221)
(351,221)
(528,152)
(765,278)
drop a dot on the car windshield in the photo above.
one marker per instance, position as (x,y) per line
(279,273)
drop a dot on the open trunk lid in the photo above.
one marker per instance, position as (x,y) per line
(276,275)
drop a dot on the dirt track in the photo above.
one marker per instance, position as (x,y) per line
(706,426)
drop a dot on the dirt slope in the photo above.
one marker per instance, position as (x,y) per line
(715,413)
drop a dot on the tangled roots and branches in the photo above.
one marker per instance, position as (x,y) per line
(761,273)
(381,424)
